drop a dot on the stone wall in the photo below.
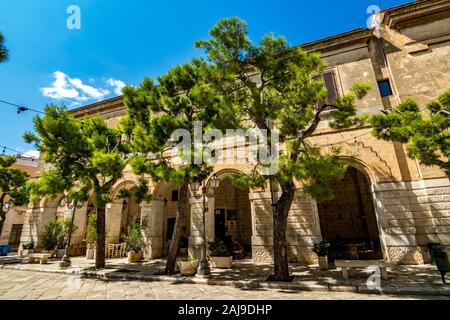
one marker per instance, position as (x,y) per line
(15,215)
(413,215)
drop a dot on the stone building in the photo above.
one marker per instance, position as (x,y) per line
(15,218)
(387,206)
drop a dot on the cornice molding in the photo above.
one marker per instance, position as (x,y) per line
(416,13)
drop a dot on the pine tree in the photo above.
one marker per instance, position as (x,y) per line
(427,137)
(180,98)
(83,158)
(12,185)
(3,50)
(272,81)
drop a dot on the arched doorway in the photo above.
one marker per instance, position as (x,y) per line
(232,217)
(131,210)
(349,221)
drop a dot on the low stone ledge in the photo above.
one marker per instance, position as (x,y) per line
(342,288)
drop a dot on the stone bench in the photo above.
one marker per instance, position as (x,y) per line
(346,264)
(41,257)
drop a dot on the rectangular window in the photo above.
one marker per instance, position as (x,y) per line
(175,195)
(329,79)
(385,88)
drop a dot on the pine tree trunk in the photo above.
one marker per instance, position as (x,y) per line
(101,235)
(178,229)
(280,246)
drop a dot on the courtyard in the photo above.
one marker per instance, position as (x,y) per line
(246,280)
(29,285)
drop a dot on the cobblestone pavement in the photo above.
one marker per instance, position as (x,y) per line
(18,285)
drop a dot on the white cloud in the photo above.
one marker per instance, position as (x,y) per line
(33,153)
(89,91)
(73,89)
(117,85)
(60,88)
(28,153)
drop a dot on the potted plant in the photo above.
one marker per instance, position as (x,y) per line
(135,241)
(220,255)
(321,249)
(50,237)
(27,248)
(188,267)
(91,236)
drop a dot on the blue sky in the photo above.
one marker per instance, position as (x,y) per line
(123,41)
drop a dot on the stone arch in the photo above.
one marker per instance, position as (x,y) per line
(366,158)
(359,199)
(232,214)
(362,167)
(126,184)
(120,212)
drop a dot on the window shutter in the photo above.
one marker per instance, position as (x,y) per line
(315,78)
(330,83)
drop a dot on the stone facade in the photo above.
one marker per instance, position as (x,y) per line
(14,224)
(408,204)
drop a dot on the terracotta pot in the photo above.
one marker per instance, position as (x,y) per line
(323,263)
(188,268)
(222,262)
(134,257)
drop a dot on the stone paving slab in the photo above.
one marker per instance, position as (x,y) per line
(139,290)
(410,280)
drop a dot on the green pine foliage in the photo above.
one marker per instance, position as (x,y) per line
(155,110)
(273,82)
(83,158)
(3,50)
(284,93)
(425,132)
(13,186)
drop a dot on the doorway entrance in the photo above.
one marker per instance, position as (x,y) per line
(349,221)
(14,237)
(232,218)
(219,224)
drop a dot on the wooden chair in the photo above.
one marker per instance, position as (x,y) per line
(123,250)
(110,251)
(367,251)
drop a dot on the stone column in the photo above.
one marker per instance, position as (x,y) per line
(153,212)
(113,221)
(36,218)
(303,229)
(196,234)
(262,220)
(79,223)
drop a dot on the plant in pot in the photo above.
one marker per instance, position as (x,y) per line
(321,249)
(135,241)
(219,254)
(65,226)
(188,267)
(28,248)
(50,236)
(91,236)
